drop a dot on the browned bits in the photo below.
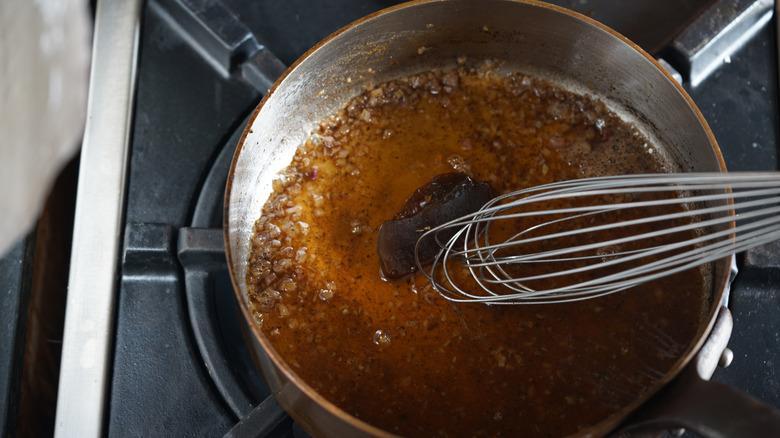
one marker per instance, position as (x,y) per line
(314,284)
(459,163)
(450,81)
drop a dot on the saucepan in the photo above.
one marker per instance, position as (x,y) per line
(532,37)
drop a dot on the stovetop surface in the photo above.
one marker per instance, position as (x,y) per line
(188,113)
(176,371)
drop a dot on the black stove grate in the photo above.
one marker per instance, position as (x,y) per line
(179,366)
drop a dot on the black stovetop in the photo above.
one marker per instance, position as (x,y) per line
(179,366)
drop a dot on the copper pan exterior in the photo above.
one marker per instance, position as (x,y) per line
(528,36)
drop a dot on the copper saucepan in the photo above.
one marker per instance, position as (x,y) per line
(529,36)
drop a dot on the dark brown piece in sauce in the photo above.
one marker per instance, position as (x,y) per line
(446,197)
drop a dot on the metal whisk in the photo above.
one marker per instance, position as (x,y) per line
(585,238)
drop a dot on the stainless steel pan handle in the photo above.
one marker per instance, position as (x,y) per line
(711,409)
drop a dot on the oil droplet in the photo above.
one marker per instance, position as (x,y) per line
(325,294)
(381,337)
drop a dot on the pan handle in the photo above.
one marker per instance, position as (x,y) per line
(711,409)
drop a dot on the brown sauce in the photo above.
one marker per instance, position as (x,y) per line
(397,355)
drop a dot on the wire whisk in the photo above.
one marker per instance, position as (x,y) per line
(585,238)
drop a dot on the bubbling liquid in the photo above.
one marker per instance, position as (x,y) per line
(397,355)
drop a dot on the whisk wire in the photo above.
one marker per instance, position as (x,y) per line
(487,216)
(710,202)
(470,255)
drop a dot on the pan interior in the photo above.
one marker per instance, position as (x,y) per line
(527,37)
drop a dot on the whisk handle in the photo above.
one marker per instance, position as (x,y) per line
(711,409)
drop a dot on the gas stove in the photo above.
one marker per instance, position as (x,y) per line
(151,340)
